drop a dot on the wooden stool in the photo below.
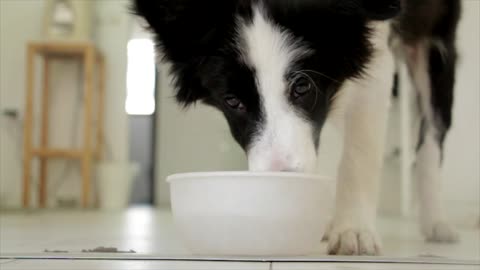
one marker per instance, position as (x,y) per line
(91,58)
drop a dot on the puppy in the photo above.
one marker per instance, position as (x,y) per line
(277,69)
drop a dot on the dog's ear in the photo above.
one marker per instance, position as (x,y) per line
(380,9)
(187,32)
(371,9)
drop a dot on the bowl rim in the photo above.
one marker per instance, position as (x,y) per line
(276,175)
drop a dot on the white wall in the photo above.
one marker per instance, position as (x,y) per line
(112,31)
(20,22)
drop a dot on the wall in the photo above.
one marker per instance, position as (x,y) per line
(15,31)
(20,22)
(112,32)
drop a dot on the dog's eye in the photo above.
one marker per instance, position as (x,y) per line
(235,103)
(300,87)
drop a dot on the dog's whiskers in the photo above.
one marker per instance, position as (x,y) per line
(319,73)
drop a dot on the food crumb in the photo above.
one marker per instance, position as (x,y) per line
(107,250)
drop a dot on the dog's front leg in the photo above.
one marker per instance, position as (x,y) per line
(353,228)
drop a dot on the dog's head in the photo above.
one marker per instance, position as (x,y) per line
(272,67)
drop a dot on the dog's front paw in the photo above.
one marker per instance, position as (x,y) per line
(352,241)
(440,232)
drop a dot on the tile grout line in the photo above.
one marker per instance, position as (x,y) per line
(8,261)
(77,256)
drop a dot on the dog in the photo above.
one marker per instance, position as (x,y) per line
(279,69)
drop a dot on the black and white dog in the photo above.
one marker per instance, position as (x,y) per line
(279,69)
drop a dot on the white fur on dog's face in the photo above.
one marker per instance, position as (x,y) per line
(284,141)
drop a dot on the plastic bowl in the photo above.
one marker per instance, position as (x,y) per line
(251,213)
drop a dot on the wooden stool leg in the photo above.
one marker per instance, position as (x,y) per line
(100,109)
(87,152)
(100,91)
(42,196)
(27,132)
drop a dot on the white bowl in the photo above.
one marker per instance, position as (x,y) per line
(251,213)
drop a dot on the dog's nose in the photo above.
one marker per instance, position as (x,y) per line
(281,165)
(276,165)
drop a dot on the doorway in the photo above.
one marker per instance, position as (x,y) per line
(140,107)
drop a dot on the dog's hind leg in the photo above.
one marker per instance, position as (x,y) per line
(432,70)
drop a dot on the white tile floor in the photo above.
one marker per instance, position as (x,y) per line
(129,265)
(25,236)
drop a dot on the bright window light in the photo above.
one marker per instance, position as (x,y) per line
(140,77)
